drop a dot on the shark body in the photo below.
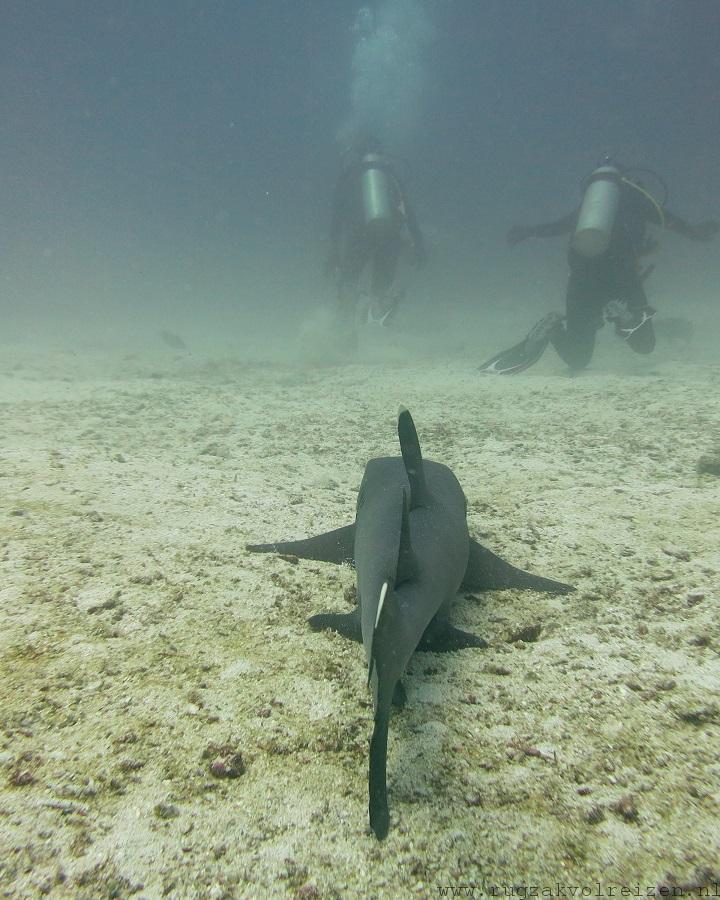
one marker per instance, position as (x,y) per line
(412,553)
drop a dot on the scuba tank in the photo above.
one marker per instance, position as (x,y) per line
(597,212)
(377,196)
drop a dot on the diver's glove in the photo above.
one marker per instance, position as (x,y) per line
(332,264)
(518,233)
(420,256)
(705,231)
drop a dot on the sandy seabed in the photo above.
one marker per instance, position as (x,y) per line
(170,725)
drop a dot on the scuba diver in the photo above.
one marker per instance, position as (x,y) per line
(370,216)
(606,281)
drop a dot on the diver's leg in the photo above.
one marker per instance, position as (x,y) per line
(385,261)
(348,288)
(575,341)
(638,330)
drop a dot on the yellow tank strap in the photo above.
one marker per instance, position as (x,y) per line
(649,196)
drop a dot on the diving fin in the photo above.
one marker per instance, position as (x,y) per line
(527,352)
(372,319)
(390,303)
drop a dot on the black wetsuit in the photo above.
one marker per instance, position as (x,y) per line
(354,246)
(613,275)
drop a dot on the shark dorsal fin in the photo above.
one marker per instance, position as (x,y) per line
(412,457)
(406,564)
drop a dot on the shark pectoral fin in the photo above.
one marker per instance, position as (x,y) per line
(377,776)
(441,637)
(334,546)
(347,624)
(486,572)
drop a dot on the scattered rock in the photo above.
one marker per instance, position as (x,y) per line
(216,450)
(709,463)
(226,760)
(21,778)
(594,815)
(700,640)
(677,553)
(625,808)
(130,765)
(110,603)
(166,811)
(700,715)
(528,634)
(147,578)
(493,669)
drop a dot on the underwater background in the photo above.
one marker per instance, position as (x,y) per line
(174,162)
(171,390)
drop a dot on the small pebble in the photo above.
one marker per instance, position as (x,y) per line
(528,634)
(709,463)
(594,815)
(166,811)
(625,808)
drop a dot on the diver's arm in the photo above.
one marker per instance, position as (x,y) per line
(559,227)
(703,231)
(411,222)
(338,209)
(332,261)
(418,241)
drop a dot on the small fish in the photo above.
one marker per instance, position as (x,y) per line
(173,340)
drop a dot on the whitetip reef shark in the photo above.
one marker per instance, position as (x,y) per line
(412,553)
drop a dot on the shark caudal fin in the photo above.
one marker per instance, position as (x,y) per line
(334,546)
(412,457)
(377,775)
(487,572)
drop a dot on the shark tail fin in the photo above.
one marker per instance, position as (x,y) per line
(377,775)
(412,457)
